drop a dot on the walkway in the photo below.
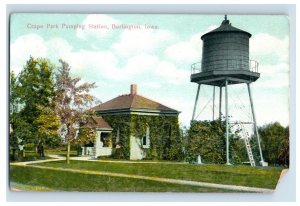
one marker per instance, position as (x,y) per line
(159,179)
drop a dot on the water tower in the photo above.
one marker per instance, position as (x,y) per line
(225,61)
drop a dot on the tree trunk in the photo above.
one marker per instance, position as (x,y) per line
(14,154)
(68,153)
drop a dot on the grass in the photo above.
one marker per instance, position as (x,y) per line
(232,175)
(22,187)
(68,181)
(62,152)
(109,158)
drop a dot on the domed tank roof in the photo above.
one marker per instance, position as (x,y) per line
(226,27)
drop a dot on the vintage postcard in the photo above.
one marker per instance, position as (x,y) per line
(148,102)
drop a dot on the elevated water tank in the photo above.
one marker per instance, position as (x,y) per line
(225,54)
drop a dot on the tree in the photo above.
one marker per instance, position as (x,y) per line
(14,102)
(48,124)
(207,138)
(36,91)
(275,143)
(14,97)
(284,153)
(73,101)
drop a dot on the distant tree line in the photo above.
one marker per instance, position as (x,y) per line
(207,139)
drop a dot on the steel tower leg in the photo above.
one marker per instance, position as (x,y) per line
(214,103)
(227,123)
(220,104)
(196,101)
(255,125)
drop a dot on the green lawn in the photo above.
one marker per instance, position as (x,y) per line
(232,175)
(62,151)
(44,180)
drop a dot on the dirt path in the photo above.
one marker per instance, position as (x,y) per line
(55,158)
(159,179)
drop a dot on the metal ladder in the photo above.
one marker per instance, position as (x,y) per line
(248,146)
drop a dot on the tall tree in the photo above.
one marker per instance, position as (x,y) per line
(36,91)
(73,101)
(14,98)
(14,104)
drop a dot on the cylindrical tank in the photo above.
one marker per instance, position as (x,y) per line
(225,48)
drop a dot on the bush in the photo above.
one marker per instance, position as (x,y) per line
(206,138)
(29,147)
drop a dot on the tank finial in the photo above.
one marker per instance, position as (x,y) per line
(225,21)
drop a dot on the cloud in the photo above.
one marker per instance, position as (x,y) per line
(57,48)
(24,47)
(171,74)
(140,64)
(105,64)
(263,44)
(96,19)
(271,106)
(34,45)
(94,65)
(269,70)
(151,85)
(133,42)
(187,51)
(273,76)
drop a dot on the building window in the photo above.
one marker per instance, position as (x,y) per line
(118,136)
(105,138)
(146,139)
(168,135)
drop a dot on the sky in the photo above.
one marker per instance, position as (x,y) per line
(156,52)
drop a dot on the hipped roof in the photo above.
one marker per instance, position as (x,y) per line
(131,101)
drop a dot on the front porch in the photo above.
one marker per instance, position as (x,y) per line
(101,147)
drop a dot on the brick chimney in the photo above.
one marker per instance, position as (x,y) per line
(133,89)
